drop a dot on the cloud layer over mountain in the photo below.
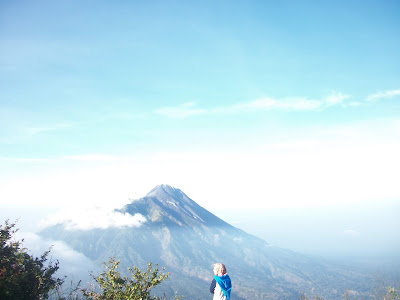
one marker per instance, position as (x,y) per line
(93,218)
(71,261)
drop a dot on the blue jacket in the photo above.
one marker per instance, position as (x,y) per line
(222,290)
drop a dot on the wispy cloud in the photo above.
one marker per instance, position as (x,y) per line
(72,262)
(335,99)
(281,104)
(25,160)
(92,157)
(93,218)
(39,130)
(263,104)
(384,95)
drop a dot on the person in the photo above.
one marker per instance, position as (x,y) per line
(221,284)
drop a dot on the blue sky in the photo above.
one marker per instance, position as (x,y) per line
(241,104)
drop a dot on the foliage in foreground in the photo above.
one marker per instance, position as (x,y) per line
(21,275)
(389,294)
(137,287)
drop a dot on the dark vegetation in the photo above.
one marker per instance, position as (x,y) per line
(21,275)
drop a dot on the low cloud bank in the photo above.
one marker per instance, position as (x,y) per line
(73,264)
(93,218)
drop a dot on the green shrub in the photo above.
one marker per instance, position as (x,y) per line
(21,275)
(137,287)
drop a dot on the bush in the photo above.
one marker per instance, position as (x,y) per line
(113,286)
(21,275)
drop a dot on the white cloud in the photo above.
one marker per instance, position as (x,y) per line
(72,263)
(336,98)
(283,104)
(263,104)
(351,232)
(38,130)
(92,157)
(91,218)
(384,95)
(269,103)
(307,167)
(25,160)
(292,103)
(354,104)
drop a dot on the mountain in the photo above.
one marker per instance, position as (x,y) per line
(187,239)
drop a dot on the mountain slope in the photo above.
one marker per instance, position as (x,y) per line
(187,239)
(165,205)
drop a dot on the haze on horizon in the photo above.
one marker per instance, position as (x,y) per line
(281,118)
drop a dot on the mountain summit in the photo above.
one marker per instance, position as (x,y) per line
(164,190)
(187,239)
(165,205)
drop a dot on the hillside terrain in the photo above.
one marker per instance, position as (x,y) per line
(187,239)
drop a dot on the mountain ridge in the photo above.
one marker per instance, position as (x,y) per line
(187,239)
(172,204)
